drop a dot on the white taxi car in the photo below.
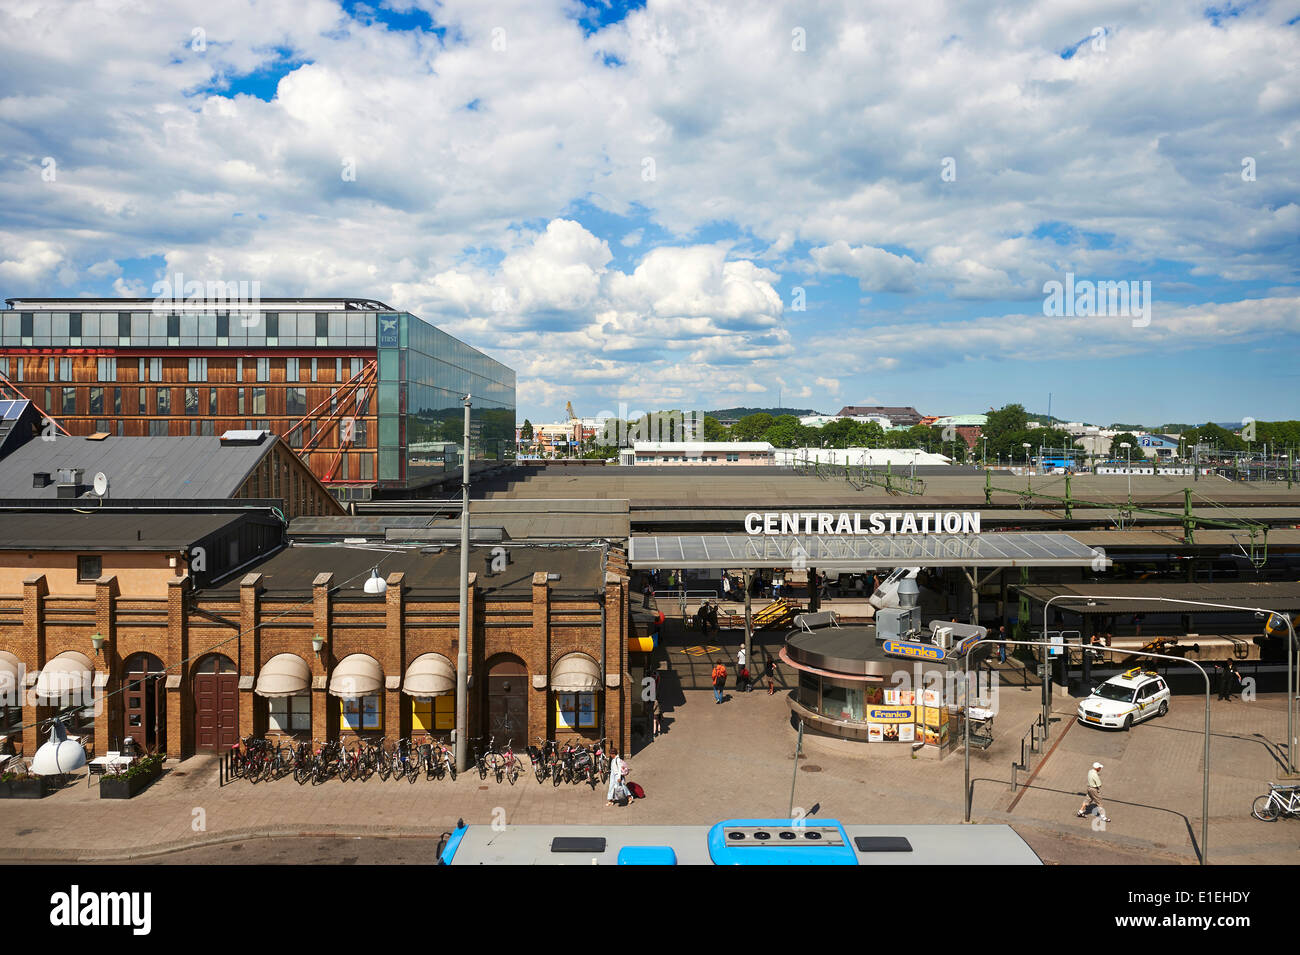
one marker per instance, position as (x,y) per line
(1129,698)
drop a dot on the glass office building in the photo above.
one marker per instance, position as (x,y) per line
(370,396)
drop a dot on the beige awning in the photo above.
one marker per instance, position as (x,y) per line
(10,669)
(575,673)
(68,675)
(429,675)
(285,674)
(356,675)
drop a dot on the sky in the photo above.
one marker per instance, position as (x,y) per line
(697,204)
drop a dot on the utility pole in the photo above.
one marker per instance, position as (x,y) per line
(462,647)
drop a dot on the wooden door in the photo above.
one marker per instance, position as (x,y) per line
(145,705)
(508,703)
(216,687)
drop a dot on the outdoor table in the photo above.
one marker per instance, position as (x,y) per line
(102,764)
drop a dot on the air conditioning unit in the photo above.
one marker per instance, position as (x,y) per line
(943,637)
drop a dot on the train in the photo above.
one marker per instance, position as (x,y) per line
(737,842)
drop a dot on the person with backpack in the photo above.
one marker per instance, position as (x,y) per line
(719,681)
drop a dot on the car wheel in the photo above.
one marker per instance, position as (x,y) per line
(1128,724)
(1164,708)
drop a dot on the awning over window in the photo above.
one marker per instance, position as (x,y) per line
(10,668)
(575,673)
(429,675)
(67,675)
(285,674)
(356,675)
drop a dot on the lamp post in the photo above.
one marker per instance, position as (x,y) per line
(984,457)
(462,646)
(1128,466)
(1025,445)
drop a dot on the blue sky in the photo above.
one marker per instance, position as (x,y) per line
(628,203)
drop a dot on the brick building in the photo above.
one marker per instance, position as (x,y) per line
(548,654)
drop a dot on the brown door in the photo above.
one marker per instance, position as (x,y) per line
(216,686)
(145,705)
(508,703)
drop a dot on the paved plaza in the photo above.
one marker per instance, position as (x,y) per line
(737,760)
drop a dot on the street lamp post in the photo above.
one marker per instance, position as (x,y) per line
(1025,445)
(1128,466)
(462,648)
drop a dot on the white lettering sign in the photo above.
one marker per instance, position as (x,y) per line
(791,523)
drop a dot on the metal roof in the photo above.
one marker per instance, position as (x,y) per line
(172,468)
(108,532)
(853,553)
(1268,595)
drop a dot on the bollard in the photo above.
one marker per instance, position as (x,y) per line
(1014,767)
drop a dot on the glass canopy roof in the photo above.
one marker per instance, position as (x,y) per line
(742,551)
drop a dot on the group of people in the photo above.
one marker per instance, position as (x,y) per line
(1229,678)
(707,616)
(744,680)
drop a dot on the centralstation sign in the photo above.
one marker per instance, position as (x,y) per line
(789,523)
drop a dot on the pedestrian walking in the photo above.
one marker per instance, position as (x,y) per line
(646,593)
(719,681)
(769,671)
(1002,647)
(618,791)
(1094,794)
(1230,684)
(740,670)
(658,712)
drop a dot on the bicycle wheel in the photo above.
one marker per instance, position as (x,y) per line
(383,768)
(1265,808)
(412,770)
(512,774)
(301,773)
(482,769)
(451,771)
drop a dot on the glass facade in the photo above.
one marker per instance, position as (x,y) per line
(424,374)
(406,429)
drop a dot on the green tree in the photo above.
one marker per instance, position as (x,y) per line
(751,427)
(1007,420)
(713,430)
(1119,454)
(526,432)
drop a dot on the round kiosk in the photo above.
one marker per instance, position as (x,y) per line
(890,681)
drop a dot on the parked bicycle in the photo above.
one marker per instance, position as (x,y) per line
(1277,802)
(511,765)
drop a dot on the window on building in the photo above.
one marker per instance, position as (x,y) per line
(90,567)
(241,401)
(295,401)
(209,427)
(359,432)
(272,327)
(239,369)
(212,401)
(263,369)
(164,401)
(367,467)
(429,716)
(313,369)
(106,369)
(338,369)
(155,369)
(96,400)
(290,714)
(4,366)
(69,401)
(575,711)
(142,374)
(291,369)
(362,713)
(191,401)
(143,406)
(356,366)
(259,401)
(65,369)
(198,369)
(117,402)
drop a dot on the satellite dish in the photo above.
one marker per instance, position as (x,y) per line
(101,484)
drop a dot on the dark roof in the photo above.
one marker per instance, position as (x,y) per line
(108,532)
(18,423)
(887,411)
(170,468)
(292,570)
(1269,595)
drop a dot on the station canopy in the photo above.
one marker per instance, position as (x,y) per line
(852,553)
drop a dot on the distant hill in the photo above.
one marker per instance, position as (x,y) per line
(743,412)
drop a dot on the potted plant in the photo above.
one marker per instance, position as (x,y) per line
(20,784)
(127,783)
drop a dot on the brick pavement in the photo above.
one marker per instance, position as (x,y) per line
(737,760)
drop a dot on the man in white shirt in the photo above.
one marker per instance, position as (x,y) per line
(1094,794)
(740,666)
